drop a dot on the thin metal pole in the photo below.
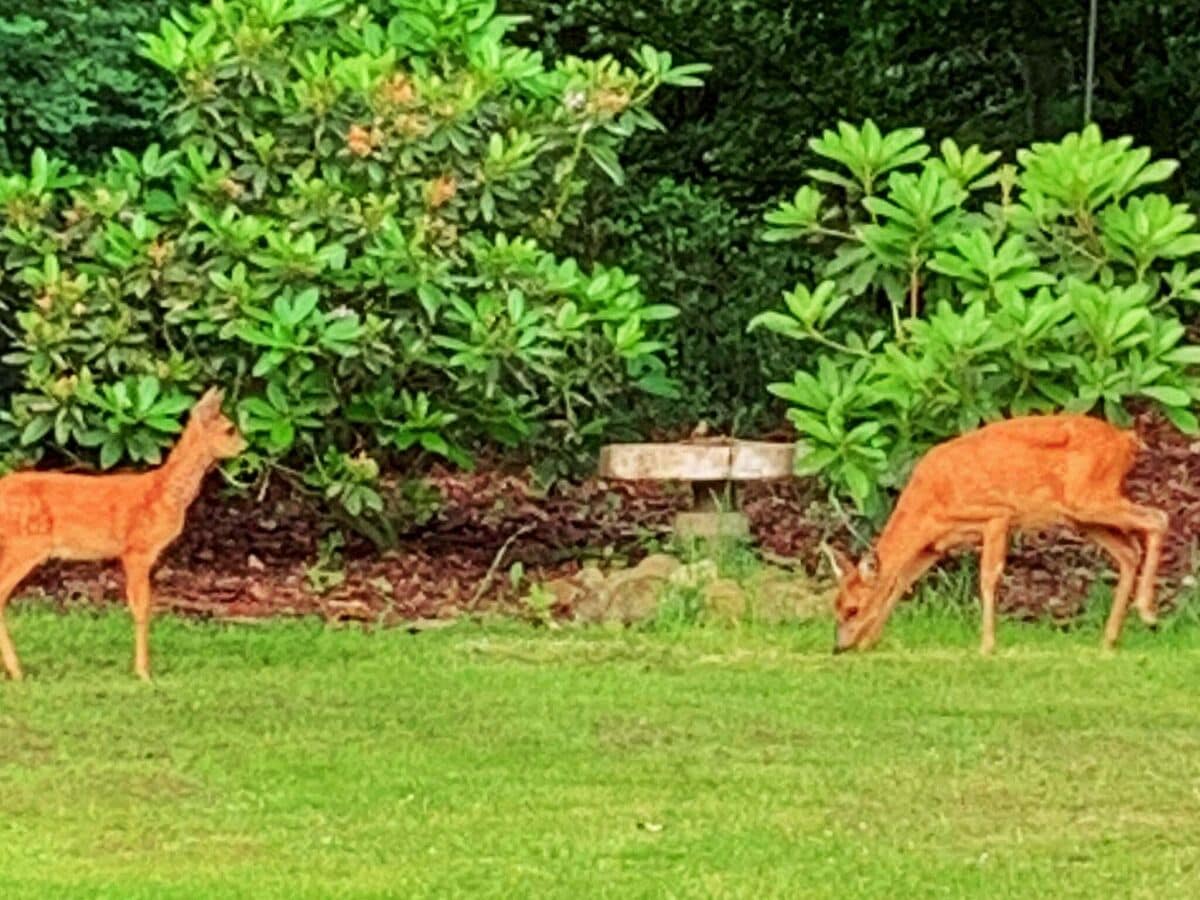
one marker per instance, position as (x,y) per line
(1089,87)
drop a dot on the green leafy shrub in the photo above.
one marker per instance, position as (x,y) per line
(354,225)
(1051,284)
(687,225)
(1000,73)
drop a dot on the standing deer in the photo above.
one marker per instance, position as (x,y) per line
(1027,472)
(57,515)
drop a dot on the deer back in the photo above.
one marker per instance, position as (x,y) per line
(1037,467)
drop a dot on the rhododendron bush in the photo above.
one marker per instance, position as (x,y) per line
(353,227)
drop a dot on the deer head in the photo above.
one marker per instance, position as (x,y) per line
(212,429)
(860,605)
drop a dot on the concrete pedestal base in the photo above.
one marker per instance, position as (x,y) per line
(712,525)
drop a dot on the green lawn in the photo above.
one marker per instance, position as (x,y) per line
(287,760)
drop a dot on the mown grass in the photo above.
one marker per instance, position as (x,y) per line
(288,760)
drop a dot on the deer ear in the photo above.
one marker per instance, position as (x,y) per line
(209,403)
(838,561)
(869,567)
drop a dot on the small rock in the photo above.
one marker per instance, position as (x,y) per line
(624,597)
(724,600)
(783,597)
(591,578)
(657,565)
(581,593)
(562,590)
(591,608)
(633,597)
(254,564)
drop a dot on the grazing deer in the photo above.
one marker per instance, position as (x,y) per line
(1027,472)
(57,515)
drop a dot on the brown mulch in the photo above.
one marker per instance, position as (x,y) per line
(245,558)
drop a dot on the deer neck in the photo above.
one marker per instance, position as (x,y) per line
(906,537)
(180,477)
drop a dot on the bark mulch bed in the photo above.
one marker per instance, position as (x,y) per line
(245,558)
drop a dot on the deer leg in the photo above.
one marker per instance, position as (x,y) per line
(991,567)
(1126,554)
(15,564)
(1152,523)
(137,595)
(1146,607)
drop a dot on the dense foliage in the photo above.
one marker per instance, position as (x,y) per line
(1002,73)
(995,72)
(72,80)
(351,228)
(684,222)
(704,253)
(1055,283)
